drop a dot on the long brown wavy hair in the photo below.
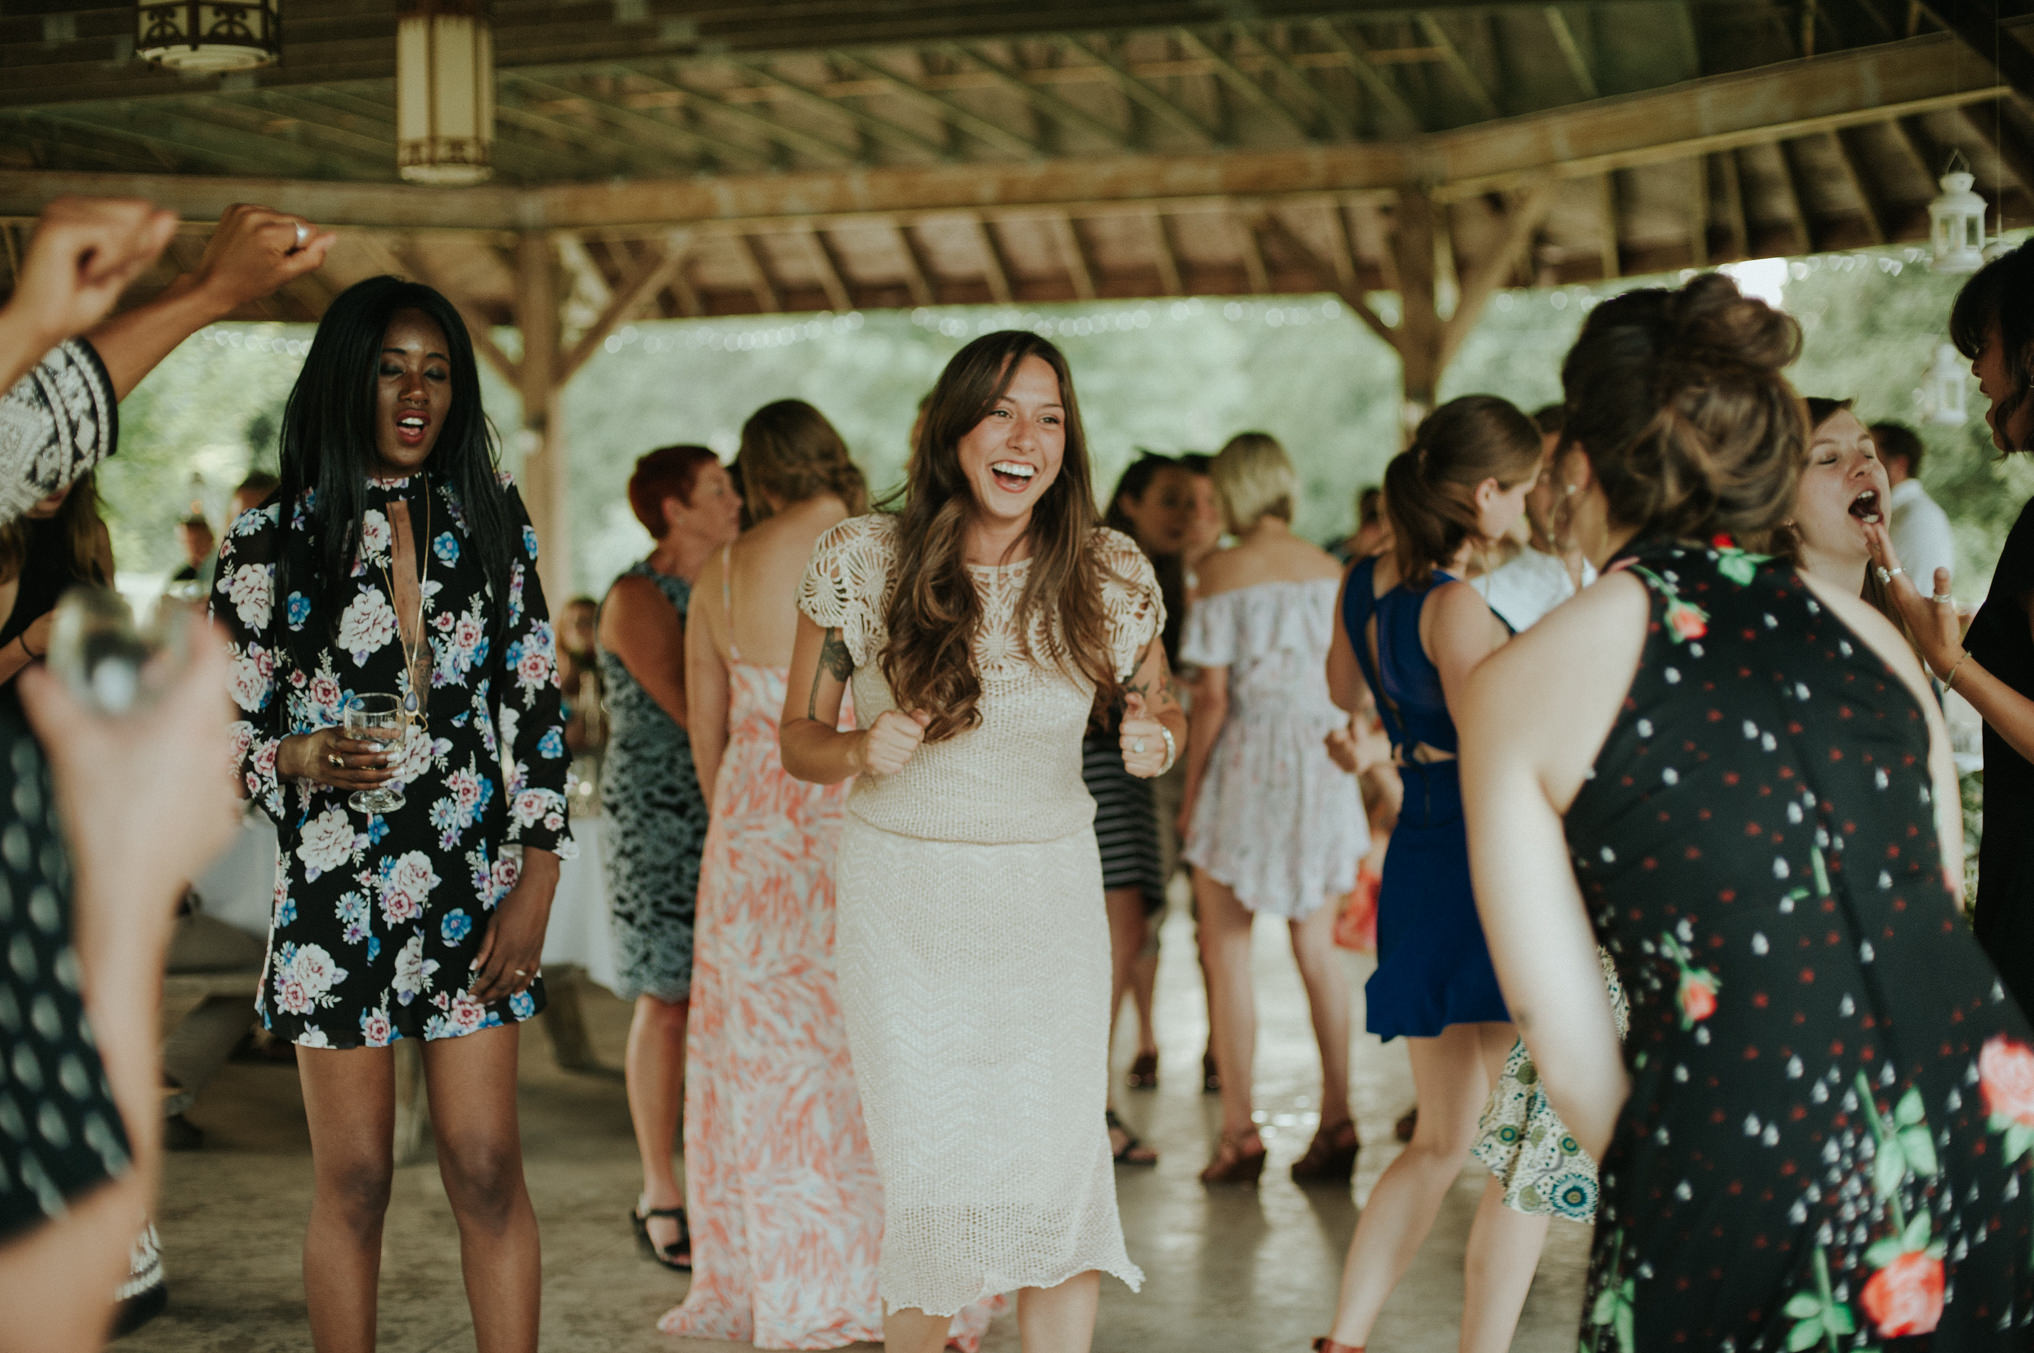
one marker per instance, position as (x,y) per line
(935,611)
(77,524)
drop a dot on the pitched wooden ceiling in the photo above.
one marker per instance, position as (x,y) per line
(699,157)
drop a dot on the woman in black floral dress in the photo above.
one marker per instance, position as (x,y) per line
(395,560)
(1818,1132)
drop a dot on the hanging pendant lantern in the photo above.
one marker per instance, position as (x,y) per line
(444,91)
(1956,220)
(1945,389)
(208,36)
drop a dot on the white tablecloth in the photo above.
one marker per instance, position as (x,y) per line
(239,889)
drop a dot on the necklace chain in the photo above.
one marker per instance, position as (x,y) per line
(413,704)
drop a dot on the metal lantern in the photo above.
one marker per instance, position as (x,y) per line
(1956,224)
(444,91)
(1945,389)
(206,36)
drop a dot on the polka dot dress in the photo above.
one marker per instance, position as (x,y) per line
(60,1133)
(1831,1124)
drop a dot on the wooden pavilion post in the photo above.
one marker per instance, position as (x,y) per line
(540,380)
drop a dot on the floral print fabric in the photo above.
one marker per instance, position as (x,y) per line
(378,918)
(1832,1106)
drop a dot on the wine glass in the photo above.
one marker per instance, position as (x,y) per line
(114,661)
(377,719)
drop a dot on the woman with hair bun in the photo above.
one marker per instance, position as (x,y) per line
(1272,825)
(984,626)
(656,815)
(1412,631)
(1815,1134)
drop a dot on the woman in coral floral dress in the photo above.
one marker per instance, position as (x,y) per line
(1818,1133)
(782,1194)
(395,560)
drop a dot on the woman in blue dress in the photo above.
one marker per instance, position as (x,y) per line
(656,814)
(1413,631)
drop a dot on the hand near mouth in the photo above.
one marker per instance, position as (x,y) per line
(1936,626)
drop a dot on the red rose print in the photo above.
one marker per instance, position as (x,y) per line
(1697,996)
(1688,621)
(2006,1075)
(1905,1297)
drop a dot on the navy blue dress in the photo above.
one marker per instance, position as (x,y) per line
(1433,968)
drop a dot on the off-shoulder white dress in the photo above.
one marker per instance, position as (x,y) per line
(973,947)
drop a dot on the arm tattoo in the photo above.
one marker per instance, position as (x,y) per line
(834,661)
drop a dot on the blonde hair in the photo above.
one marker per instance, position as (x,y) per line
(1254,479)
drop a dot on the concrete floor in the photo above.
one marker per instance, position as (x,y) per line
(1228,1271)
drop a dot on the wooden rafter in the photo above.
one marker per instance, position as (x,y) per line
(1332,112)
(1255,273)
(1523,216)
(1797,203)
(1075,255)
(1740,220)
(1162,252)
(2012,152)
(1352,50)
(1874,210)
(1698,212)
(1142,92)
(995,268)
(1458,66)
(1606,198)
(967,119)
(1571,51)
(768,298)
(1976,24)
(1052,105)
(1239,80)
(917,276)
(880,128)
(651,274)
(778,131)
(832,279)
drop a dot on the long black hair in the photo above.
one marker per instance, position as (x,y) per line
(1997,295)
(328,440)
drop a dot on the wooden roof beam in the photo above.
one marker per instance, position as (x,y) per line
(1254,271)
(1142,92)
(879,128)
(1051,104)
(1976,24)
(1607,245)
(650,276)
(1797,203)
(1874,210)
(791,138)
(1068,237)
(1739,215)
(1332,113)
(1523,216)
(1169,280)
(832,280)
(967,119)
(995,268)
(1698,213)
(769,299)
(2012,152)
(1381,89)
(917,276)
(1238,80)
(1459,67)
(1571,51)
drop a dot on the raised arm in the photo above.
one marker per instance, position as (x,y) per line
(1519,777)
(84,253)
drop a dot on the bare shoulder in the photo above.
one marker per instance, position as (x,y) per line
(1224,571)
(633,600)
(1606,621)
(1308,562)
(1876,631)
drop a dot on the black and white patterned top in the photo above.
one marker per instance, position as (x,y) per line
(57,422)
(60,1132)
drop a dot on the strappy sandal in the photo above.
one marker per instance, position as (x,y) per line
(1330,1157)
(1133,1151)
(1233,1163)
(1211,1078)
(1144,1072)
(677,1256)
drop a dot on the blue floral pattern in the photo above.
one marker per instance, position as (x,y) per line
(378,918)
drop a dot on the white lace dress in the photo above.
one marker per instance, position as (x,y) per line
(1276,819)
(973,948)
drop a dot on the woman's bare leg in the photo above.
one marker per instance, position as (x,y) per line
(654,1069)
(472,1082)
(913,1331)
(1313,949)
(1497,1271)
(349,1102)
(1452,1073)
(1232,1002)
(1060,1319)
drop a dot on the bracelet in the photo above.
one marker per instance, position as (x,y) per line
(31,654)
(1171,749)
(1949,682)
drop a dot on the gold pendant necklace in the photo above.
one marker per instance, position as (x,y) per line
(413,705)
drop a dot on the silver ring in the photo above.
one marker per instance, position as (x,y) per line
(522,972)
(303,236)
(336,759)
(1942,598)
(1137,746)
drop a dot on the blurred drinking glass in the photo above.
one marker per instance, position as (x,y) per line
(377,719)
(112,660)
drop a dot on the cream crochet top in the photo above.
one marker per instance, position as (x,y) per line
(1015,776)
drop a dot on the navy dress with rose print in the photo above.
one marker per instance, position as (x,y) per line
(378,917)
(1831,1122)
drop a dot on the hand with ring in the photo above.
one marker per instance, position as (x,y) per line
(1143,740)
(328,757)
(1932,619)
